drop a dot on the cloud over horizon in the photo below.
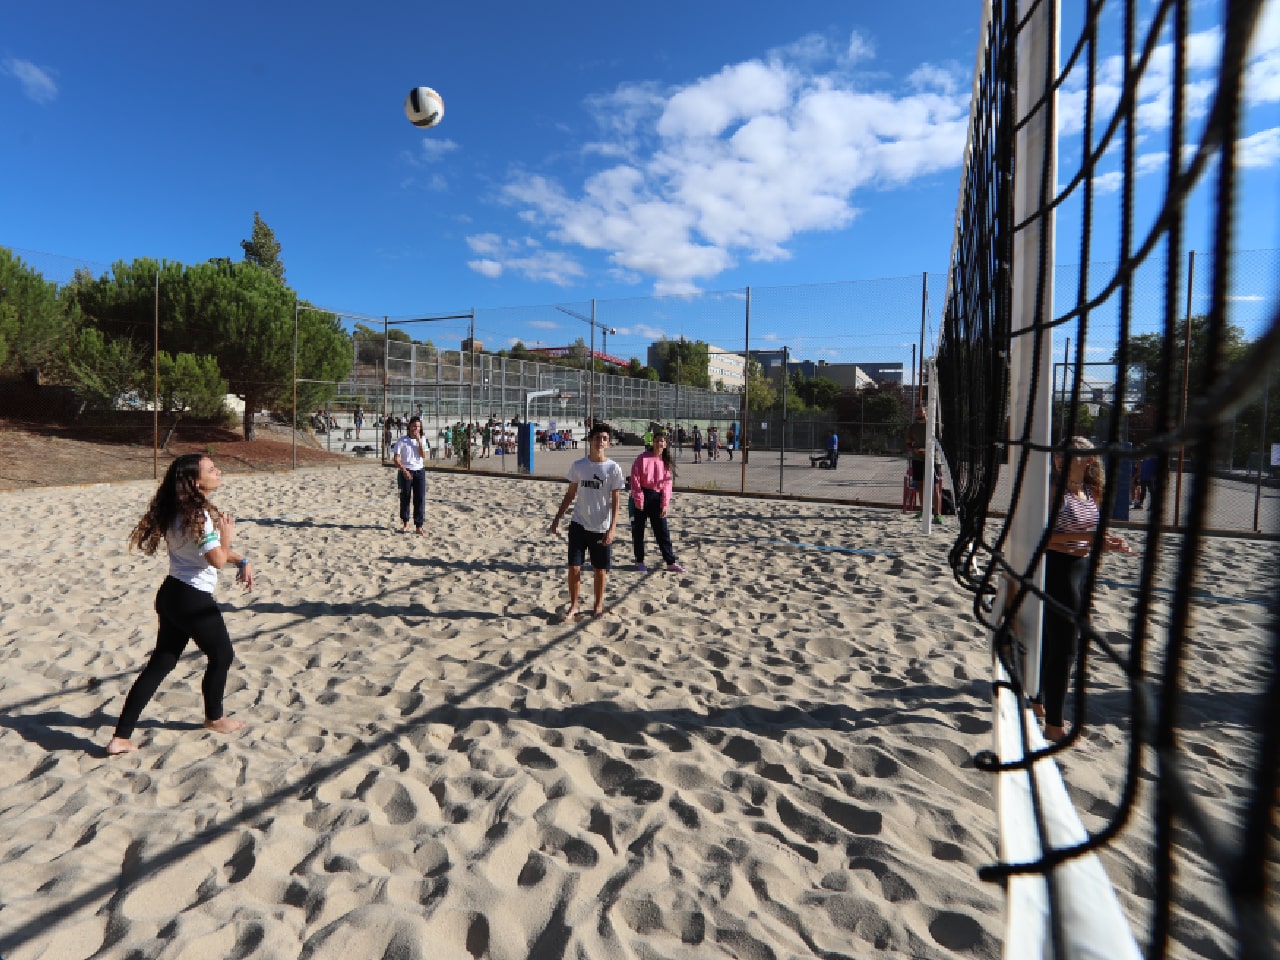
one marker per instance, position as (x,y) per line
(734,165)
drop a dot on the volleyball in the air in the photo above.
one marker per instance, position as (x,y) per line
(424,107)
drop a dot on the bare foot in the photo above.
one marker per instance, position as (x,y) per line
(598,613)
(119,745)
(1056,734)
(569,615)
(419,531)
(224,725)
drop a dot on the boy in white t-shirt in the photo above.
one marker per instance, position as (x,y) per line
(595,517)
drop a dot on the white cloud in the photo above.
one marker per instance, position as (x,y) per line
(488,268)
(1260,150)
(544,324)
(433,148)
(859,49)
(525,257)
(734,165)
(484,243)
(37,84)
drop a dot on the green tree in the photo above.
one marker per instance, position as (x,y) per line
(1145,352)
(263,249)
(685,361)
(817,392)
(188,384)
(35,320)
(761,394)
(102,369)
(237,313)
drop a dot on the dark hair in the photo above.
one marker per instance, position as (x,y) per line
(179,495)
(598,428)
(413,420)
(666,451)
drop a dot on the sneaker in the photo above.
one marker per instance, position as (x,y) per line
(938,519)
(674,568)
(641,568)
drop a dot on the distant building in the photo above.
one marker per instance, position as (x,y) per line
(844,374)
(561,352)
(884,372)
(724,367)
(468,343)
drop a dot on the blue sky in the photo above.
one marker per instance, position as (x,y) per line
(607,150)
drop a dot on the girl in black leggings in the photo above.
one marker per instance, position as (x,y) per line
(198,537)
(1066,565)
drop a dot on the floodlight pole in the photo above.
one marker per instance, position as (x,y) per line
(591,357)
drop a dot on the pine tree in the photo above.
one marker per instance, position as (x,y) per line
(263,249)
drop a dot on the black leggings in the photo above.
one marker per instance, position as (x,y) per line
(185,614)
(651,511)
(1064,577)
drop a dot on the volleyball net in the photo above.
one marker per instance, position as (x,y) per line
(1150,103)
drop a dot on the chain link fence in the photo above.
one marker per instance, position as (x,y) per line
(836,357)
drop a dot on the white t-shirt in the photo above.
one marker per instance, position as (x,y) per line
(592,507)
(406,448)
(186,557)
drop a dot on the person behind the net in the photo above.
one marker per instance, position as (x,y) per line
(917,437)
(595,486)
(697,444)
(198,538)
(1066,564)
(652,476)
(410,455)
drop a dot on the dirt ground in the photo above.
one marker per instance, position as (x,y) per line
(40,454)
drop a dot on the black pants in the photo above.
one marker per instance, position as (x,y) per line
(651,511)
(415,487)
(1064,577)
(185,614)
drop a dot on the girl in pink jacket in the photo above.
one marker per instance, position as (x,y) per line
(651,478)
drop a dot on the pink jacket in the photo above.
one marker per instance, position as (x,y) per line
(650,473)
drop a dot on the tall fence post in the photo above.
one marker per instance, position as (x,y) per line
(1186,379)
(1263,458)
(746,397)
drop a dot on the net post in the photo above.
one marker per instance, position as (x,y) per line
(1031,351)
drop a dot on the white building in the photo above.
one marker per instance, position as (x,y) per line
(725,369)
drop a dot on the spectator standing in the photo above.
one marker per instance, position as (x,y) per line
(917,437)
(1066,567)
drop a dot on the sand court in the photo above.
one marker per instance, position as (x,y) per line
(767,755)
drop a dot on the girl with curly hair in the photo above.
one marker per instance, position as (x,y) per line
(1080,481)
(198,537)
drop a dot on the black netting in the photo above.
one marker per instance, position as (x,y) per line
(1178,380)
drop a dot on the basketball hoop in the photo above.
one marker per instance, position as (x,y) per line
(564,401)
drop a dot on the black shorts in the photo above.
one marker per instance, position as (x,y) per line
(917,472)
(583,541)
